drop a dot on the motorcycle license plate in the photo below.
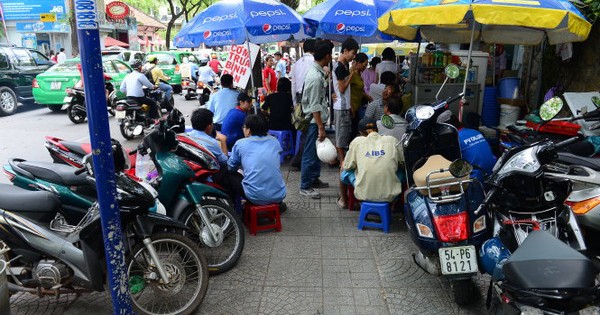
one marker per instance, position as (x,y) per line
(55,85)
(120,114)
(67,99)
(458,260)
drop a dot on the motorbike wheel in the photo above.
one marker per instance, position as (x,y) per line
(187,97)
(111,109)
(186,267)
(76,116)
(462,291)
(223,254)
(126,132)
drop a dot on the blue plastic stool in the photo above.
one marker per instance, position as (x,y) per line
(380,208)
(298,143)
(286,140)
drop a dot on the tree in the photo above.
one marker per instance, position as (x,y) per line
(291,3)
(189,8)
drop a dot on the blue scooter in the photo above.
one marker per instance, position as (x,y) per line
(441,199)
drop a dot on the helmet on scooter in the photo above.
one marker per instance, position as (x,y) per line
(120,158)
(136,64)
(175,121)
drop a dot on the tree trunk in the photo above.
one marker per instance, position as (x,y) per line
(73,25)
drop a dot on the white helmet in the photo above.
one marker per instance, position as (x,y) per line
(326,151)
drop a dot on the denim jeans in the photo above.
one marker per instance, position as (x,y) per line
(168,89)
(311,165)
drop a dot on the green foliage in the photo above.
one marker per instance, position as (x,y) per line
(590,8)
(147,6)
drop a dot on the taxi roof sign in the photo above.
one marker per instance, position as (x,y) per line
(48,17)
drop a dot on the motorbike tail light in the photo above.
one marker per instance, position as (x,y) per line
(453,227)
(185,83)
(424,230)
(35,84)
(10,175)
(176,69)
(584,206)
(121,108)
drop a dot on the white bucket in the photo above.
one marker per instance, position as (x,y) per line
(508,115)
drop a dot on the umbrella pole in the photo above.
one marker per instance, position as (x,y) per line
(463,99)
(253,89)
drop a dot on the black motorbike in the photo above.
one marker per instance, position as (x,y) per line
(134,117)
(166,271)
(75,102)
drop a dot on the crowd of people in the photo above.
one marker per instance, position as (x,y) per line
(360,91)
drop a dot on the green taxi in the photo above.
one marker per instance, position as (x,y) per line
(49,87)
(169,62)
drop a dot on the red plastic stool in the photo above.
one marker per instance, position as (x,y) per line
(254,212)
(351,199)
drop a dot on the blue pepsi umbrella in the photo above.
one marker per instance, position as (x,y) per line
(340,19)
(181,40)
(230,22)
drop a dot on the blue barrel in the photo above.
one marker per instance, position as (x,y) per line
(490,113)
(507,87)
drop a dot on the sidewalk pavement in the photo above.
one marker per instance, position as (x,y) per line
(320,263)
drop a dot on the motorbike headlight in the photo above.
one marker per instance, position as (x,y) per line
(206,159)
(524,161)
(424,112)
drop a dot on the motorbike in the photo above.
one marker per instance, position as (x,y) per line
(442,198)
(74,102)
(183,187)
(167,273)
(526,197)
(134,118)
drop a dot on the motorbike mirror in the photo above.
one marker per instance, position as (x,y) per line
(424,112)
(452,71)
(550,108)
(460,168)
(387,121)
(596,101)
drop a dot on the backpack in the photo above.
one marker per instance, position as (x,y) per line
(148,74)
(299,118)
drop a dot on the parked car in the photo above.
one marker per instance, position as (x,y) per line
(49,87)
(124,55)
(169,62)
(18,68)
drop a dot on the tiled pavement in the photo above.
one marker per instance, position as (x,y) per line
(319,264)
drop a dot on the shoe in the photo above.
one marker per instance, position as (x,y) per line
(340,204)
(310,193)
(282,207)
(317,183)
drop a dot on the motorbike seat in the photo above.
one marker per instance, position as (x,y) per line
(55,173)
(435,163)
(544,262)
(16,199)
(78,148)
(572,159)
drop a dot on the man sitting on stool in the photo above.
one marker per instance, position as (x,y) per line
(375,159)
(258,156)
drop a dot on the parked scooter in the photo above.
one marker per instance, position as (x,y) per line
(167,272)
(526,197)
(442,198)
(74,102)
(189,86)
(134,118)
(183,185)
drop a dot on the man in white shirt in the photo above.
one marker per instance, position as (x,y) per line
(388,63)
(300,68)
(133,86)
(61,57)
(280,66)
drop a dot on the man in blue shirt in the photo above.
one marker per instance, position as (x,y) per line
(223,101)
(202,122)
(474,148)
(258,156)
(280,66)
(233,122)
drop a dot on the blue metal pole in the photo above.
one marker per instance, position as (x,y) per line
(104,169)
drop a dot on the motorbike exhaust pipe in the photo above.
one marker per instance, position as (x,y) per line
(427,264)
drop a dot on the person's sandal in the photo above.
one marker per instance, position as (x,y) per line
(340,204)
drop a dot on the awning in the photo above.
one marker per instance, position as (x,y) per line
(109,41)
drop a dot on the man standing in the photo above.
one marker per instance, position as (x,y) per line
(341,107)
(280,66)
(223,101)
(206,74)
(315,104)
(269,76)
(61,57)
(297,74)
(375,159)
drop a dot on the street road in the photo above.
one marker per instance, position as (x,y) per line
(22,134)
